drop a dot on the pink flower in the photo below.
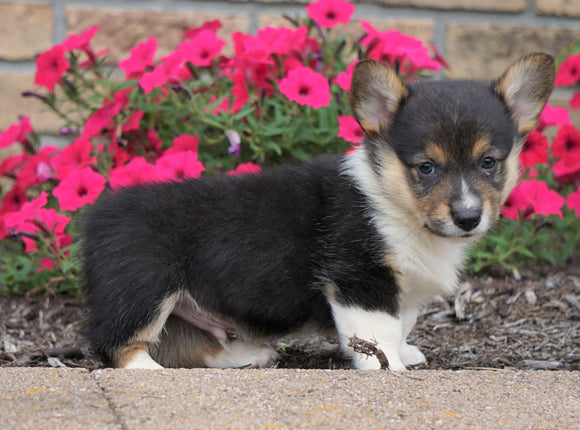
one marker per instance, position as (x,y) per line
(306,87)
(73,157)
(184,143)
(567,170)
(17,133)
(50,67)
(343,79)
(245,168)
(179,166)
(329,13)
(569,71)
(79,188)
(395,48)
(168,70)
(573,202)
(532,197)
(213,26)
(83,42)
(281,40)
(350,130)
(566,144)
(37,169)
(202,48)
(137,171)
(140,60)
(553,116)
(10,166)
(103,118)
(535,150)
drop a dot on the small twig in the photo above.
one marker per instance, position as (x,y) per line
(368,348)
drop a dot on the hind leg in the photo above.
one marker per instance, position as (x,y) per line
(135,353)
(184,345)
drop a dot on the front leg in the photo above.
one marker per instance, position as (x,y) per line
(410,354)
(379,326)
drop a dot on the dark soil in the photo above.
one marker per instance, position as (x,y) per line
(493,323)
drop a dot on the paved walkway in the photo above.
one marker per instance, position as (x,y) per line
(40,398)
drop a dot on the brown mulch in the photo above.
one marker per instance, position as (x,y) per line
(492,323)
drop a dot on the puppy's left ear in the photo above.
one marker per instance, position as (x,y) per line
(525,87)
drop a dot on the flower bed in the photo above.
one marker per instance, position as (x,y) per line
(281,97)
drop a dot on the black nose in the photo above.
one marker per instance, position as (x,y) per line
(467,219)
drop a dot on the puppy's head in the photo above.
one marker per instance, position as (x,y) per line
(446,153)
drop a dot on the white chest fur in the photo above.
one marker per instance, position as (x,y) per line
(425,264)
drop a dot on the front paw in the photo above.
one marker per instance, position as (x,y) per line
(411,355)
(364,362)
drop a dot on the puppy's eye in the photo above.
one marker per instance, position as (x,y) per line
(488,163)
(427,168)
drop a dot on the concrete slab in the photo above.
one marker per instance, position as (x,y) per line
(281,398)
(267,399)
(39,398)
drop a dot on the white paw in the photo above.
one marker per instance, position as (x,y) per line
(240,354)
(142,360)
(364,362)
(411,355)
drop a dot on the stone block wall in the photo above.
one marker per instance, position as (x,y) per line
(479,38)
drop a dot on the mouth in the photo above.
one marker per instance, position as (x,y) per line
(449,236)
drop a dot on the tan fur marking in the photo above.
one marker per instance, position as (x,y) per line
(481,147)
(436,153)
(394,172)
(513,172)
(151,333)
(126,354)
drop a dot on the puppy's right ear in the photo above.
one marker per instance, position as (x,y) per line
(375,94)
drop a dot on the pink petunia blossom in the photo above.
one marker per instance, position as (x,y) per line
(202,48)
(140,59)
(184,143)
(553,116)
(179,166)
(567,170)
(37,168)
(168,70)
(395,48)
(10,166)
(17,133)
(306,87)
(103,118)
(330,13)
(566,144)
(79,188)
(72,157)
(569,71)
(50,67)
(532,197)
(246,168)
(213,26)
(573,202)
(82,42)
(343,79)
(535,150)
(137,171)
(32,218)
(282,40)
(350,130)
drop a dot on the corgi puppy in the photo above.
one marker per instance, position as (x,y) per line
(208,272)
